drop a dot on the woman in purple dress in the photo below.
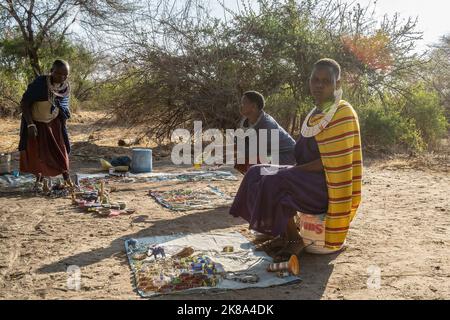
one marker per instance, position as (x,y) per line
(270,202)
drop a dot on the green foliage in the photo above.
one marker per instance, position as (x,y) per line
(415,122)
(200,67)
(273,51)
(11,88)
(385,130)
(13,56)
(437,70)
(16,72)
(284,106)
(424,109)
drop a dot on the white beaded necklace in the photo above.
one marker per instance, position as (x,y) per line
(308,131)
(62,90)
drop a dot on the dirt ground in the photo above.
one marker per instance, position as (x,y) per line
(402,230)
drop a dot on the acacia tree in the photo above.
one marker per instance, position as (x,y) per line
(51,21)
(439,71)
(185,64)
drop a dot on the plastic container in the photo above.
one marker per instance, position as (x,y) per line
(312,231)
(141,161)
(5,163)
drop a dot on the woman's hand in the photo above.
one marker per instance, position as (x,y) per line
(314,166)
(32,131)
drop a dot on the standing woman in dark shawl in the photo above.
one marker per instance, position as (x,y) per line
(44,143)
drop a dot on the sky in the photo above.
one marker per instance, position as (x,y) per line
(433,15)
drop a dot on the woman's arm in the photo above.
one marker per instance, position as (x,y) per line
(25,106)
(26,112)
(313,166)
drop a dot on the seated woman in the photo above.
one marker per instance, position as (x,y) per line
(326,180)
(254,117)
(44,143)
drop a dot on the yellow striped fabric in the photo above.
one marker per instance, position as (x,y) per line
(340,150)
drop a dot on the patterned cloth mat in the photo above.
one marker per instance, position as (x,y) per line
(189,176)
(25,183)
(207,264)
(190,199)
(11,184)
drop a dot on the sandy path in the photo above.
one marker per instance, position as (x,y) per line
(402,228)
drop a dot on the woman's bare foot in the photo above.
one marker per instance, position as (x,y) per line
(46,187)
(293,247)
(271,245)
(260,238)
(69,184)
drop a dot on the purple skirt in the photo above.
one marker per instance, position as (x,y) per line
(268,202)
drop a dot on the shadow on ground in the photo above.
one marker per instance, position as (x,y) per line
(191,223)
(315,270)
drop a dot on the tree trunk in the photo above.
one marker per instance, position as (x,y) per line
(294,123)
(34,61)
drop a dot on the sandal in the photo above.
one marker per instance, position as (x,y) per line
(292,248)
(282,256)
(260,238)
(271,245)
(114,213)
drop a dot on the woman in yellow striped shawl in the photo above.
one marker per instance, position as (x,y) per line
(325,183)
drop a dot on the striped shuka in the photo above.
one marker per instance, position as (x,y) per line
(340,150)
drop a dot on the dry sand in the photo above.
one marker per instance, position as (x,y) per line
(402,228)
